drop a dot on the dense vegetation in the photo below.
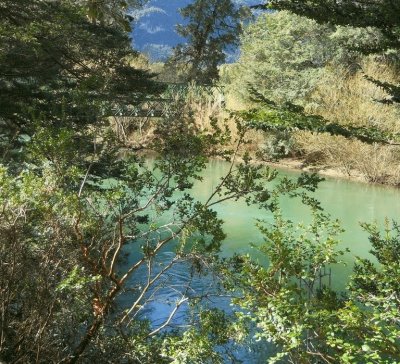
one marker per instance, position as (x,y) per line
(300,74)
(212,28)
(96,203)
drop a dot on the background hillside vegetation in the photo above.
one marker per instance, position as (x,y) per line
(290,59)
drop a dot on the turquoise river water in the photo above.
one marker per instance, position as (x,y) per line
(350,202)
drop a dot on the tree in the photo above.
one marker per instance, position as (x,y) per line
(112,12)
(59,68)
(84,220)
(283,56)
(212,27)
(285,62)
(379,17)
(82,253)
(364,14)
(292,305)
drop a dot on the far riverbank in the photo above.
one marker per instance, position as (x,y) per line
(299,165)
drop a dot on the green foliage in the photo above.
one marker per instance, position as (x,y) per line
(376,289)
(377,20)
(277,145)
(92,230)
(76,280)
(84,229)
(82,226)
(60,69)
(283,71)
(363,14)
(286,299)
(292,305)
(289,118)
(212,27)
(87,236)
(197,345)
(283,59)
(111,12)
(282,56)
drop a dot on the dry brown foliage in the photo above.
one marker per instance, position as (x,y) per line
(349,98)
(375,163)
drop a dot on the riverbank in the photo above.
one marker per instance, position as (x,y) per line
(381,175)
(299,165)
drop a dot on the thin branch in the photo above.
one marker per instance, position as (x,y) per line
(121,240)
(221,184)
(173,312)
(84,180)
(150,282)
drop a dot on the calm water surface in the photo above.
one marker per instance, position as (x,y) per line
(348,201)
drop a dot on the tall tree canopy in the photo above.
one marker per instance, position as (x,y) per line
(58,66)
(212,27)
(362,13)
(374,15)
(282,56)
(111,11)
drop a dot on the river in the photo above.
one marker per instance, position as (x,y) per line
(350,202)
